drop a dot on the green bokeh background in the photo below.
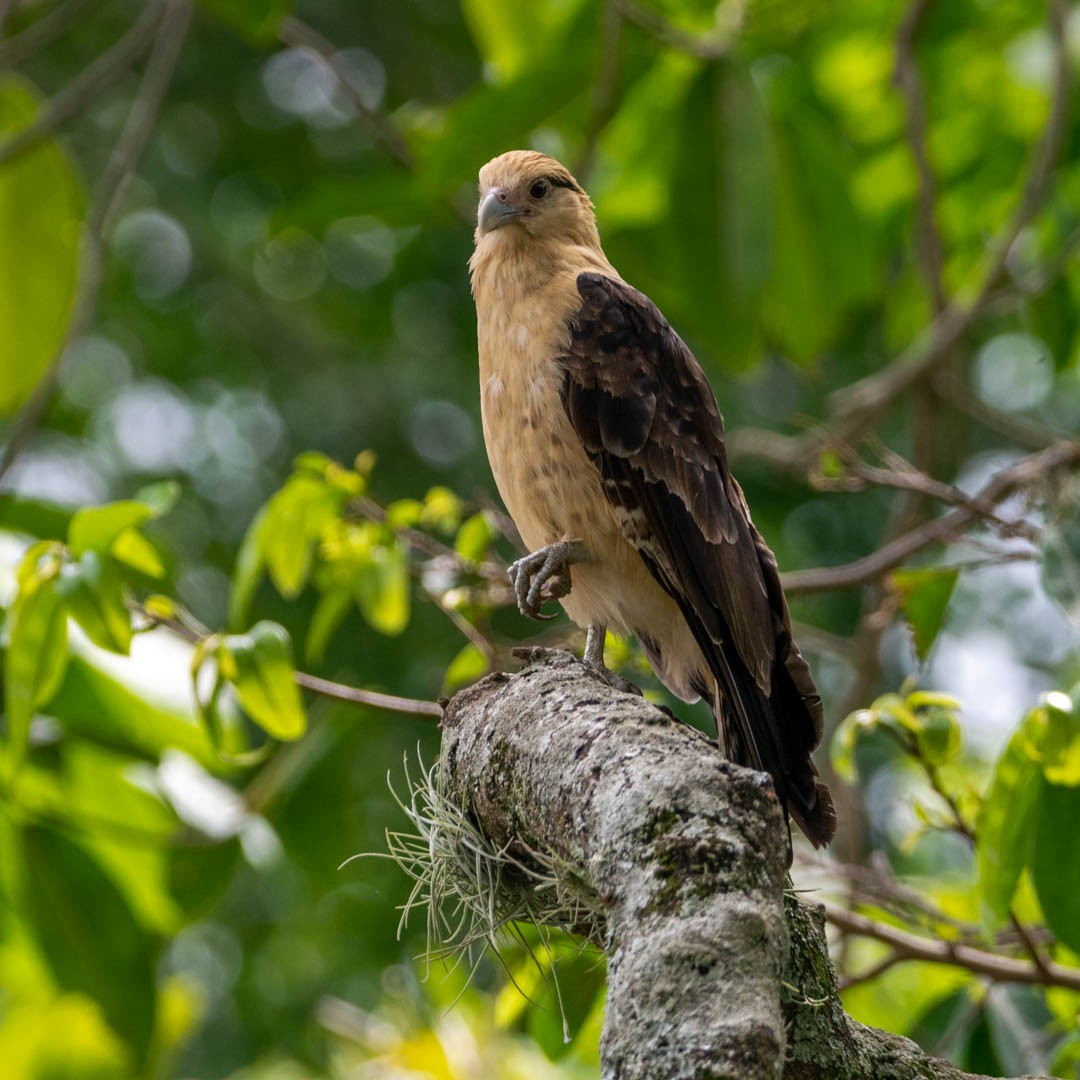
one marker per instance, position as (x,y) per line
(277,281)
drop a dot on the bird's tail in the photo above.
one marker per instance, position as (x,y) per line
(774,734)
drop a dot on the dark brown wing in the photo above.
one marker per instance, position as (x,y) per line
(648,419)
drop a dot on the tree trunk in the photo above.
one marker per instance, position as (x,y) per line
(714,970)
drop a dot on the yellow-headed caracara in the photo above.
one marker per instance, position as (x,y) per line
(607,447)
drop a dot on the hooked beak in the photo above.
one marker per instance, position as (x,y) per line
(495,211)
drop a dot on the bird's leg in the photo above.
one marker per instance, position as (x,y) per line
(548,566)
(594,646)
(594,657)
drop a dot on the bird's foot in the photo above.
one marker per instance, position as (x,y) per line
(594,657)
(544,575)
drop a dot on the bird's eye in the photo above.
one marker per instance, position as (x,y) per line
(540,189)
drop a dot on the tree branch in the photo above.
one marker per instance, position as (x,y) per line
(189,629)
(898,473)
(908,946)
(91,82)
(42,32)
(713,968)
(1023,474)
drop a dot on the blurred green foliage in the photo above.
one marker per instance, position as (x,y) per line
(285,289)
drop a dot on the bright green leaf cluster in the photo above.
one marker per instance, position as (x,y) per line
(84,580)
(926,723)
(318,529)
(1033,796)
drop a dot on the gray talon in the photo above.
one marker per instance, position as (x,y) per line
(544,575)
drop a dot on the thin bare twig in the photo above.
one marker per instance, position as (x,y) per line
(42,32)
(170,26)
(951,388)
(473,634)
(89,84)
(1036,281)
(908,946)
(846,982)
(1024,473)
(900,473)
(299,35)
(371,698)
(192,632)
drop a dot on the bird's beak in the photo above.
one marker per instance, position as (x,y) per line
(495,211)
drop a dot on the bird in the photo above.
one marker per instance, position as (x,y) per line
(606,444)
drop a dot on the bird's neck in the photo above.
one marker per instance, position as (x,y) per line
(511,264)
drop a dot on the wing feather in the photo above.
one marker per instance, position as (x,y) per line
(645,413)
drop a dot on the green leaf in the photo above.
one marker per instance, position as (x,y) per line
(940,736)
(36,656)
(41,212)
(94,594)
(844,741)
(632,182)
(1061,740)
(474,537)
(822,266)
(257,20)
(99,528)
(250,564)
(510,35)
(724,172)
(1005,823)
(134,550)
(442,510)
(382,588)
(96,527)
(281,539)
(259,665)
(89,935)
(296,517)
(333,606)
(924,596)
(1055,859)
(33,517)
(894,711)
(468,666)
(159,498)
(404,513)
(199,876)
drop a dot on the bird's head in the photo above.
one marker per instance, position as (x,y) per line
(526,194)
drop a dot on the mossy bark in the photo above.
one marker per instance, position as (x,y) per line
(714,970)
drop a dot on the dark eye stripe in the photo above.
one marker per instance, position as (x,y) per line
(566,182)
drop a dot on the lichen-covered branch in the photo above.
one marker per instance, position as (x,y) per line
(713,969)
